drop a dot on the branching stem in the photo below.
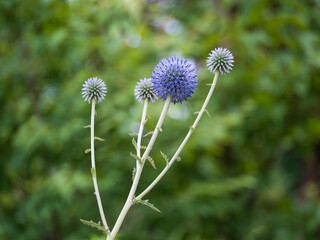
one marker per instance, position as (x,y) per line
(129,201)
(191,130)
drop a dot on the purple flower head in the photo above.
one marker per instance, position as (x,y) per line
(94,88)
(220,59)
(175,77)
(145,90)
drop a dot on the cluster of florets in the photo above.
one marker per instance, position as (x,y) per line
(145,90)
(172,77)
(94,89)
(220,59)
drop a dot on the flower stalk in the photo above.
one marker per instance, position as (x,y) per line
(142,123)
(93,170)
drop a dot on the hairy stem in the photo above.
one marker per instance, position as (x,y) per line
(192,129)
(129,201)
(93,170)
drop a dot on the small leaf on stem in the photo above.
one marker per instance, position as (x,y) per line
(133,134)
(88,126)
(94,225)
(135,157)
(151,162)
(134,143)
(87,151)
(146,202)
(134,173)
(165,157)
(207,112)
(148,133)
(99,139)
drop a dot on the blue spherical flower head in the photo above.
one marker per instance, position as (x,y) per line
(174,77)
(145,90)
(220,59)
(94,89)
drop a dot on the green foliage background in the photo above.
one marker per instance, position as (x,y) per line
(251,171)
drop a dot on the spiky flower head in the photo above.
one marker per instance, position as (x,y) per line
(174,77)
(220,59)
(145,90)
(94,89)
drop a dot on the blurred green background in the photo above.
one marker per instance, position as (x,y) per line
(251,171)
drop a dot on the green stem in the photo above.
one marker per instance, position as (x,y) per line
(129,201)
(191,130)
(94,172)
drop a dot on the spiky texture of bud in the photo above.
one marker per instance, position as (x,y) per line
(94,88)
(220,59)
(145,90)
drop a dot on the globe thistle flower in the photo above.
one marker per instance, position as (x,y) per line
(174,77)
(220,59)
(145,90)
(94,89)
